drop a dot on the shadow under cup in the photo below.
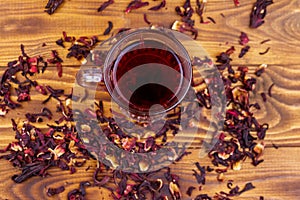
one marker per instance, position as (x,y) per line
(147,72)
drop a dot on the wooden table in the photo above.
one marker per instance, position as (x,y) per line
(276,178)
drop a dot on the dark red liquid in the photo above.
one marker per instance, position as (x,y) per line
(146,74)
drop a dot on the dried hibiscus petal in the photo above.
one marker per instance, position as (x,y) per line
(98,182)
(159,6)
(60,42)
(57,61)
(265,41)
(53,191)
(204,197)
(200,177)
(135,4)
(41,89)
(9,102)
(190,190)
(270,90)
(146,19)
(259,12)
(263,96)
(105,5)
(244,50)
(264,52)
(201,4)
(212,20)
(187,23)
(52,6)
(184,27)
(244,38)
(259,70)
(236,2)
(108,29)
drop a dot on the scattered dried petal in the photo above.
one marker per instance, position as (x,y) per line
(146,19)
(270,90)
(159,6)
(263,96)
(135,4)
(52,6)
(265,41)
(236,3)
(190,190)
(105,5)
(259,70)
(53,191)
(244,38)
(266,51)
(244,51)
(259,12)
(109,28)
(212,20)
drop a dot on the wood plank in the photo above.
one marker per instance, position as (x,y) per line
(276,178)
(25,22)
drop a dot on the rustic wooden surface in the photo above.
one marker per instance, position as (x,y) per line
(277,178)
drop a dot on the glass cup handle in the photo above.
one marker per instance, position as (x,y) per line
(91,72)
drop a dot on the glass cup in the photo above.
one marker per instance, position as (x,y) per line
(147,71)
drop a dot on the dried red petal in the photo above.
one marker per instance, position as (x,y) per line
(52,6)
(105,5)
(135,4)
(259,12)
(159,6)
(236,2)
(244,38)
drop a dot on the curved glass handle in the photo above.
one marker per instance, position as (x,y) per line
(91,73)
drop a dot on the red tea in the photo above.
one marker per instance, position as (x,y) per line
(146,74)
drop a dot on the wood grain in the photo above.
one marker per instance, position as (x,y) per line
(277,178)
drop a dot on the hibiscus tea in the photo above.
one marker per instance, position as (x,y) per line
(148,77)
